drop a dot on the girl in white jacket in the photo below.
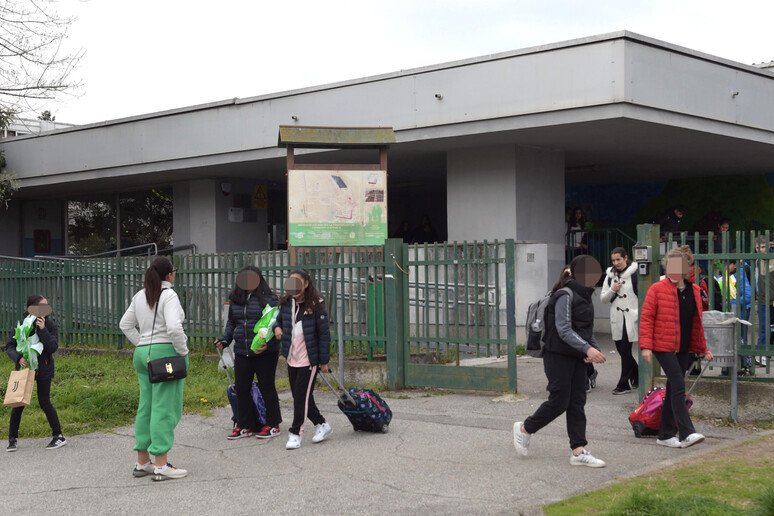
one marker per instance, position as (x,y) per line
(620,290)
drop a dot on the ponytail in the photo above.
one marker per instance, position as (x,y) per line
(159,269)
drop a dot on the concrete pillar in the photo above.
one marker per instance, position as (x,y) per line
(508,191)
(194,220)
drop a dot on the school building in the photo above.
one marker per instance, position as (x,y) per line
(486,147)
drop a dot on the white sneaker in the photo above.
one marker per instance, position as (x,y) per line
(584,458)
(672,442)
(168,472)
(143,470)
(520,439)
(294,442)
(692,439)
(323,431)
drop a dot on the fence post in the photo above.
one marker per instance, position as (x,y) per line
(394,310)
(647,234)
(510,309)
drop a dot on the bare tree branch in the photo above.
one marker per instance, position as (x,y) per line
(33,65)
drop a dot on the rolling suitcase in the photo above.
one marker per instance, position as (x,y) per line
(255,394)
(365,409)
(646,418)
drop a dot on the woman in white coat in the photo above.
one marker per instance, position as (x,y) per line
(620,290)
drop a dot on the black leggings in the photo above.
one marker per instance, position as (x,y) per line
(264,367)
(44,399)
(566,395)
(629,368)
(674,411)
(302,387)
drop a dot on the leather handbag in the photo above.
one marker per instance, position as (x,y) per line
(167,368)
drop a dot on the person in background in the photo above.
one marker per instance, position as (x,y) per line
(670,329)
(403,232)
(620,290)
(765,284)
(44,331)
(575,236)
(570,345)
(670,220)
(425,233)
(247,301)
(739,297)
(157,311)
(304,330)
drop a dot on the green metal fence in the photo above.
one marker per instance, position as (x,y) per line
(716,254)
(90,296)
(459,305)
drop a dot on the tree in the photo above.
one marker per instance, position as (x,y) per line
(46,116)
(33,65)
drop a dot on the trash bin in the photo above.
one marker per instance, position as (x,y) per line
(719,330)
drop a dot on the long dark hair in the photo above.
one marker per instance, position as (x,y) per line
(238,295)
(34,299)
(159,269)
(623,253)
(563,278)
(573,221)
(312,298)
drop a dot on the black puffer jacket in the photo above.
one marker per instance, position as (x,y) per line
(49,337)
(241,323)
(317,333)
(582,316)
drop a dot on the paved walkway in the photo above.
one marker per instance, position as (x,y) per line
(444,454)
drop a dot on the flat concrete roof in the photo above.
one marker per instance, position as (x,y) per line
(623,107)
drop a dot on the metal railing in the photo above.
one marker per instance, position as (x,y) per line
(739,278)
(597,243)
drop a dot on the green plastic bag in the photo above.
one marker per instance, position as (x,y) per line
(263,329)
(28,347)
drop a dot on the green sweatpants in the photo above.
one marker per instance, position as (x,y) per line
(161,404)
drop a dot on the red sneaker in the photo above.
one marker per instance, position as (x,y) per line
(267,432)
(240,433)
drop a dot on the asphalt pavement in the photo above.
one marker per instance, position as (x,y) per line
(445,453)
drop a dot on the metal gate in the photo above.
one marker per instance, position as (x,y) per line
(456,320)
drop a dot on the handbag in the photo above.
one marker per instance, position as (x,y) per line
(167,368)
(19,391)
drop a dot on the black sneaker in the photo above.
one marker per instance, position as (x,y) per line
(57,442)
(593,379)
(618,390)
(11,445)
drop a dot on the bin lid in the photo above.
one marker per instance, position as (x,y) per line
(717,318)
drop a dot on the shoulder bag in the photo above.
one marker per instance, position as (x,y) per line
(167,368)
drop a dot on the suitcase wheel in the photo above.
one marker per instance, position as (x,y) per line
(385,428)
(639,428)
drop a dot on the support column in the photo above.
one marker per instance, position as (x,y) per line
(195,215)
(507,191)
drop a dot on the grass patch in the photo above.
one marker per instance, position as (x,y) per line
(99,391)
(725,484)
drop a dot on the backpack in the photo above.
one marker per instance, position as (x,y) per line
(536,327)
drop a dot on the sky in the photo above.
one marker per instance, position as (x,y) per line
(143,56)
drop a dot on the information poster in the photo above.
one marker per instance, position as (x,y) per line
(329,208)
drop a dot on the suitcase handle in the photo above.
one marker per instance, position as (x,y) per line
(228,375)
(697,378)
(335,391)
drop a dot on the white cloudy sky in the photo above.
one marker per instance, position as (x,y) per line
(151,55)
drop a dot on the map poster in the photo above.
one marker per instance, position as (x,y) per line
(332,207)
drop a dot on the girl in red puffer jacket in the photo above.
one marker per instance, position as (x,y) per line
(671,329)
